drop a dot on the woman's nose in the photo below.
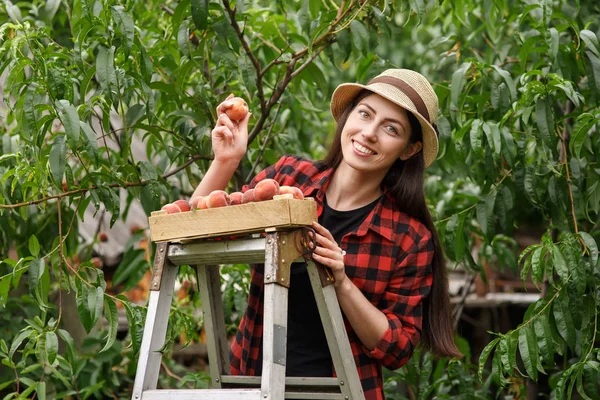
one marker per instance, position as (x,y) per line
(370,133)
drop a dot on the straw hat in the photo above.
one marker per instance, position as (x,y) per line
(410,90)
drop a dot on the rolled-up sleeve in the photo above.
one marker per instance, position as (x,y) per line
(402,304)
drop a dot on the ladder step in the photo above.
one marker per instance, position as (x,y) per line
(196,394)
(230,394)
(249,381)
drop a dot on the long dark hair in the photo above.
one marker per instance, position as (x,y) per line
(404,181)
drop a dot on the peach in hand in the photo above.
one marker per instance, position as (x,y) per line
(266,189)
(217,198)
(293,190)
(237,109)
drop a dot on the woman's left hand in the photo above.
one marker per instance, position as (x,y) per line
(329,253)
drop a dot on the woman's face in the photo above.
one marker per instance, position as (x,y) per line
(376,134)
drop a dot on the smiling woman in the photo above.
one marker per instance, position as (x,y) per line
(374,232)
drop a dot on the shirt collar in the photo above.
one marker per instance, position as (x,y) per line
(379,220)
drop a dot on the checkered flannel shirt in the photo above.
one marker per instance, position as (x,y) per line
(388,258)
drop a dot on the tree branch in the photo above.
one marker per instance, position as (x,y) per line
(246,46)
(112,185)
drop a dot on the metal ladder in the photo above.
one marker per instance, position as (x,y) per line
(278,249)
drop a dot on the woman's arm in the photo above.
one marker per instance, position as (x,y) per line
(368,322)
(392,341)
(229,144)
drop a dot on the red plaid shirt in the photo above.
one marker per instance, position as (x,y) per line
(388,258)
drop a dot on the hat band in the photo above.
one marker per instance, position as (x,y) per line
(406,89)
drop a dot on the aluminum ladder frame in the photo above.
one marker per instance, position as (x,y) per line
(278,249)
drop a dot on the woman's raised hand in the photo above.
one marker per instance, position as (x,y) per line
(229,138)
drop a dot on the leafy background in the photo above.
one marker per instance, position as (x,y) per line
(108,104)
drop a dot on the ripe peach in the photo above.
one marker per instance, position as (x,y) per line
(198,202)
(97,261)
(171,208)
(248,196)
(102,236)
(237,109)
(266,189)
(217,198)
(135,228)
(236,198)
(183,205)
(296,192)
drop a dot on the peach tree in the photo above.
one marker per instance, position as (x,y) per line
(109,103)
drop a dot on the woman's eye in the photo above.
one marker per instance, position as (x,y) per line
(392,129)
(363,114)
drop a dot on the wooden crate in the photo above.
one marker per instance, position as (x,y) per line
(232,220)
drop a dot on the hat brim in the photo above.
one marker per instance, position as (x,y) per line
(346,92)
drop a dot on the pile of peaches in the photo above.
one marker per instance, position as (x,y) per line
(264,190)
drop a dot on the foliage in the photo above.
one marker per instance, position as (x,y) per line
(90,82)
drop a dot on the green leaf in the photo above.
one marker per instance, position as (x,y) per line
(361,36)
(564,320)
(476,135)
(508,80)
(541,325)
(95,304)
(40,390)
(591,41)
(105,69)
(484,356)
(124,26)
(58,158)
(135,114)
(591,374)
(544,120)
(50,10)
(36,270)
(537,265)
(51,346)
(90,140)
(70,119)
(583,124)
(593,71)
(82,306)
(200,14)
(71,350)
(18,340)
(4,288)
(113,318)
(560,264)
(528,348)
(591,245)
(34,246)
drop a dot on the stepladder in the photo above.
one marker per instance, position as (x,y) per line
(276,248)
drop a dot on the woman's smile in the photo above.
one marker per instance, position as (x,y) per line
(362,150)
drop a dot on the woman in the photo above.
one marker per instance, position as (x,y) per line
(374,232)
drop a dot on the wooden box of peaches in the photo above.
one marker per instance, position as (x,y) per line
(267,206)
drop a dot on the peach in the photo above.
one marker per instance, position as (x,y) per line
(266,189)
(183,205)
(293,190)
(102,236)
(237,109)
(236,198)
(198,202)
(171,208)
(217,198)
(248,196)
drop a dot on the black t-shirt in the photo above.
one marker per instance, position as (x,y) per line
(307,350)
